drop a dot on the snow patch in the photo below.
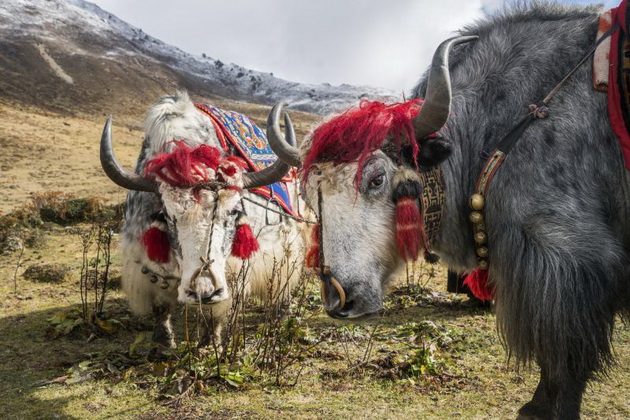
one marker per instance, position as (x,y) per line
(53,65)
(63,22)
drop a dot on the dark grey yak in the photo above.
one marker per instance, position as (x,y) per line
(557,210)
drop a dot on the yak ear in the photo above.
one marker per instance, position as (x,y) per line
(433,151)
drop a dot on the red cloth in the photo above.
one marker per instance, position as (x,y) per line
(615,112)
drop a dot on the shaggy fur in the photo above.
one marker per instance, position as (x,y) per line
(558,210)
(279,238)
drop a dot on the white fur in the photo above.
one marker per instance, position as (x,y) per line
(204,222)
(357,226)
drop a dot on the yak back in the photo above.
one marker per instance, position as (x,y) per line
(558,208)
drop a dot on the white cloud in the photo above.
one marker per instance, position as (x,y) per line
(373,42)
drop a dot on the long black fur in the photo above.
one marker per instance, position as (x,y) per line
(558,210)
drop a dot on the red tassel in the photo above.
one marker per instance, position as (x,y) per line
(409,232)
(477,282)
(245,243)
(312,258)
(155,242)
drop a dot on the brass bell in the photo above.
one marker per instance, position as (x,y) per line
(481,237)
(483,264)
(477,201)
(476,217)
(482,252)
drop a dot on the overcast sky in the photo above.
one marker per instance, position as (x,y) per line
(372,42)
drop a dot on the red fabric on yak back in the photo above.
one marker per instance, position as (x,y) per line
(353,135)
(615,109)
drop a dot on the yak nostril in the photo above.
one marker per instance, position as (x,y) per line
(347,308)
(343,312)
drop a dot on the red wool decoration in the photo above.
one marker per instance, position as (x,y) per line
(409,228)
(312,258)
(245,243)
(156,244)
(477,282)
(185,166)
(360,131)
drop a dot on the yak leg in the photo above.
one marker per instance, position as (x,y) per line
(540,407)
(555,300)
(214,324)
(555,399)
(163,330)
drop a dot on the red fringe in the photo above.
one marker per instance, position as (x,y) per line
(245,243)
(312,258)
(156,244)
(409,229)
(185,166)
(477,282)
(356,133)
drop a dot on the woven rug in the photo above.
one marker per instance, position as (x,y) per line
(252,146)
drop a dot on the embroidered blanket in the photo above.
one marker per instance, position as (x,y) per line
(611,71)
(251,143)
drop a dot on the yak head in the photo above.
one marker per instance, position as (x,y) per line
(360,175)
(201,222)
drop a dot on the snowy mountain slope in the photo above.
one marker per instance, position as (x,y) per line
(71,52)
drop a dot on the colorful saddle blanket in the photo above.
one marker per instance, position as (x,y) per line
(251,143)
(611,71)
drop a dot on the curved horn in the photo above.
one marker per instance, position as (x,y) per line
(288,154)
(115,171)
(437,101)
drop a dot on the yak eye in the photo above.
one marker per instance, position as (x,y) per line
(377,181)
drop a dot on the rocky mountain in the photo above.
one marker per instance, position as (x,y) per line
(70,55)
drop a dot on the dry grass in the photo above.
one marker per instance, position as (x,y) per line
(370,370)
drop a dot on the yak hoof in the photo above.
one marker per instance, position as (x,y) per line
(532,411)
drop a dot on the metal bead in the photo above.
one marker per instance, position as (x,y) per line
(144,270)
(481,237)
(477,201)
(482,252)
(153,279)
(164,285)
(476,217)
(483,264)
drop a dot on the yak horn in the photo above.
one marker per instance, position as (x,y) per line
(115,171)
(437,101)
(285,149)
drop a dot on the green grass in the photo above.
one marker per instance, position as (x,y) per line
(467,376)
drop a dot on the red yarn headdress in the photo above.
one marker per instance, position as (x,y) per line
(353,135)
(185,166)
